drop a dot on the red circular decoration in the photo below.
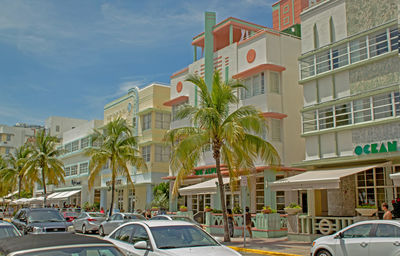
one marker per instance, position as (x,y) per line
(179,87)
(251,55)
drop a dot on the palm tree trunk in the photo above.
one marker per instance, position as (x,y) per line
(222,194)
(44,188)
(19,186)
(112,193)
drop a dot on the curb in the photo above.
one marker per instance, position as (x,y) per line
(262,252)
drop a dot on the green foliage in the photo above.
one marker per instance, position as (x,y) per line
(161,196)
(367,206)
(293,205)
(216,211)
(237,209)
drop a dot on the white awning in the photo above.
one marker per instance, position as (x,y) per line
(318,179)
(206,187)
(11,194)
(396,179)
(53,195)
(66,194)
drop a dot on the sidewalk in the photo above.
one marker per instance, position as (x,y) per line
(271,246)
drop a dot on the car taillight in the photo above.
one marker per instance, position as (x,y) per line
(91,219)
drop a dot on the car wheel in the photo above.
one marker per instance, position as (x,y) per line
(84,229)
(324,253)
(101,231)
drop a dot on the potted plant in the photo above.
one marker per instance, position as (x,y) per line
(367,210)
(207,209)
(183,208)
(293,209)
(154,208)
(266,210)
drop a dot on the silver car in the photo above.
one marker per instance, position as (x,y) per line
(88,221)
(375,237)
(116,220)
(8,230)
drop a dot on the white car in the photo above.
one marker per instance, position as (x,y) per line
(365,238)
(166,238)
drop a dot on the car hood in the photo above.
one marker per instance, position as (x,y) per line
(205,250)
(325,238)
(62,224)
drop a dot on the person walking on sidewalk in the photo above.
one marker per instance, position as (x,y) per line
(387,214)
(248,222)
(230,222)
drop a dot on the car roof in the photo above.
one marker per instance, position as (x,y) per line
(27,242)
(39,209)
(162,223)
(378,222)
(5,223)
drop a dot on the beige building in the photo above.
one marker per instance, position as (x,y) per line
(144,110)
(12,137)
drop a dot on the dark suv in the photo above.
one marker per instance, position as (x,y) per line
(39,220)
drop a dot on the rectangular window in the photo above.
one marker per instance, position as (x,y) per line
(74,170)
(309,121)
(146,122)
(323,62)
(362,110)
(120,199)
(84,168)
(343,114)
(262,83)
(378,44)
(75,145)
(8,137)
(307,67)
(176,108)
(146,153)
(248,93)
(397,102)
(163,120)
(259,193)
(162,153)
(255,85)
(358,50)
(85,142)
(394,38)
(67,171)
(276,130)
(68,148)
(325,118)
(340,56)
(382,106)
(274,82)
(57,128)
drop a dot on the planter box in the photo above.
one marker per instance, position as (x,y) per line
(368,212)
(292,211)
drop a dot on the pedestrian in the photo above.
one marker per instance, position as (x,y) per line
(148,214)
(248,222)
(231,221)
(387,214)
(101,210)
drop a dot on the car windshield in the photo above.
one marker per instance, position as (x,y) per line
(8,231)
(93,214)
(45,216)
(77,251)
(134,217)
(169,237)
(182,218)
(71,214)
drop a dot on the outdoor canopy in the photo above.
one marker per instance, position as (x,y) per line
(318,179)
(65,195)
(206,187)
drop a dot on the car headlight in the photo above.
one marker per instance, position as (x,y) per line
(37,230)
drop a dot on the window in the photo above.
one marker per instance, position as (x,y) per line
(309,121)
(323,62)
(140,234)
(255,85)
(378,44)
(84,142)
(325,118)
(131,200)
(146,122)
(68,148)
(259,193)
(382,106)
(75,146)
(163,120)
(57,128)
(307,67)
(387,230)
(162,153)
(394,38)
(358,231)
(8,137)
(146,153)
(343,114)
(358,50)
(276,129)
(120,199)
(362,110)
(274,82)
(125,233)
(84,168)
(67,171)
(176,108)
(74,170)
(340,56)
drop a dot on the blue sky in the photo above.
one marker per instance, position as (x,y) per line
(70,58)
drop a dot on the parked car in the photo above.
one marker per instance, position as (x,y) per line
(169,238)
(88,221)
(374,237)
(116,220)
(175,217)
(57,244)
(39,220)
(8,230)
(70,216)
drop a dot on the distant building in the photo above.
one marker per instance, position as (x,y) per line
(12,137)
(57,125)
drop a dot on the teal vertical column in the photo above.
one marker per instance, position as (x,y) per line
(269,195)
(230,34)
(210,21)
(194,53)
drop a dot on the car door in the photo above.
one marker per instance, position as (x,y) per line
(355,241)
(140,234)
(122,238)
(385,240)
(108,225)
(79,221)
(118,221)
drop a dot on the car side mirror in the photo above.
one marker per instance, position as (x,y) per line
(107,219)
(339,235)
(141,245)
(23,220)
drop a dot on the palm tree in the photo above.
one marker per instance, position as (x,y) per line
(43,166)
(234,138)
(118,147)
(4,188)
